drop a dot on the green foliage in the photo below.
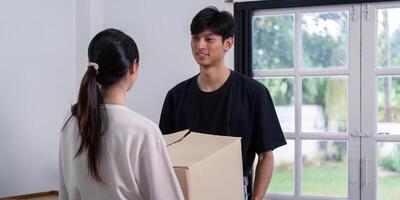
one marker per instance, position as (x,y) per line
(332,151)
(281,90)
(328,180)
(395,45)
(314,90)
(273,48)
(336,104)
(273,42)
(392,162)
(329,152)
(388,56)
(323,48)
(392,84)
(323,51)
(388,43)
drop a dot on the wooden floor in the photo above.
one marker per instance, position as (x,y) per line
(51,195)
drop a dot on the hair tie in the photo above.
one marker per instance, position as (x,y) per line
(95,66)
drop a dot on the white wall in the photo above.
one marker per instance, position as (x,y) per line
(43,55)
(162,31)
(88,22)
(36,72)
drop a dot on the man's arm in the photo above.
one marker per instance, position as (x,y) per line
(263,176)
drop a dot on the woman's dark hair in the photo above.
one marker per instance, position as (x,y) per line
(219,22)
(114,52)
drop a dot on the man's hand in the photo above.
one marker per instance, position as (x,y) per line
(263,175)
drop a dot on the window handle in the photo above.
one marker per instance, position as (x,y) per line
(355,133)
(353,170)
(383,133)
(353,13)
(364,177)
(366,12)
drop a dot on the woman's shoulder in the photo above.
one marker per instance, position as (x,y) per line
(125,121)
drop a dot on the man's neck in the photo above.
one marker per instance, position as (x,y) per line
(212,78)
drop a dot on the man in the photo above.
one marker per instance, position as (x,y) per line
(221,101)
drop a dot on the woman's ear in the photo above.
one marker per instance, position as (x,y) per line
(133,69)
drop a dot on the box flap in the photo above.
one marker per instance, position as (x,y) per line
(171,138)
(195,147)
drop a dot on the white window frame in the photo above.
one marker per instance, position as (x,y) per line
(353,74)
(369,98)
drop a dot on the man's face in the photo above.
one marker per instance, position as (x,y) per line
(208,48)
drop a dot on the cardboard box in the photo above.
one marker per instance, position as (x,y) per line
(208,167)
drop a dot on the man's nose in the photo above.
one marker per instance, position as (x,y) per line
(202,44)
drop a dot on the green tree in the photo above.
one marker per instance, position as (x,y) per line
(273,42)
(273,48)
(388,56)
(322,47)
(281,90)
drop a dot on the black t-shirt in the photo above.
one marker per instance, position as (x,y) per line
(241,107)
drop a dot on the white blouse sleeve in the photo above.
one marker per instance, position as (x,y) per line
(63,194)
(155,175)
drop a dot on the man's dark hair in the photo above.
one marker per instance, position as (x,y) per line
(219,22)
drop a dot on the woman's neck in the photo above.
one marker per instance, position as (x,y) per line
(114,95)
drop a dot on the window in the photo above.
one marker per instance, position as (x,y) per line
(333,72)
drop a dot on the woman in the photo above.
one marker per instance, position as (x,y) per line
(108,151)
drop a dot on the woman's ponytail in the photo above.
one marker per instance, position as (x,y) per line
(90,115)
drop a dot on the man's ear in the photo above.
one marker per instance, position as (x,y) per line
(133,69)
(228,43)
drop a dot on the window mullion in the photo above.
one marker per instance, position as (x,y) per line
(298,97)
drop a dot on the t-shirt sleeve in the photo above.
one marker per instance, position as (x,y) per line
(167,123)
(268,133)
(155,176)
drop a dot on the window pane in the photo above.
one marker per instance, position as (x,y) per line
(273,42)
(388,37)
(282,93)
(389,105)
(324,106)
(324,168)
(388,171)
(325,39)
(283,176)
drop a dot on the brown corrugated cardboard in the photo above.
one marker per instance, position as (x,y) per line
(208,167)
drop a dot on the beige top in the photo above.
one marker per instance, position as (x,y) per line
(134,164)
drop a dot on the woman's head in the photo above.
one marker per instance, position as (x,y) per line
(113,59)
(115,53)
